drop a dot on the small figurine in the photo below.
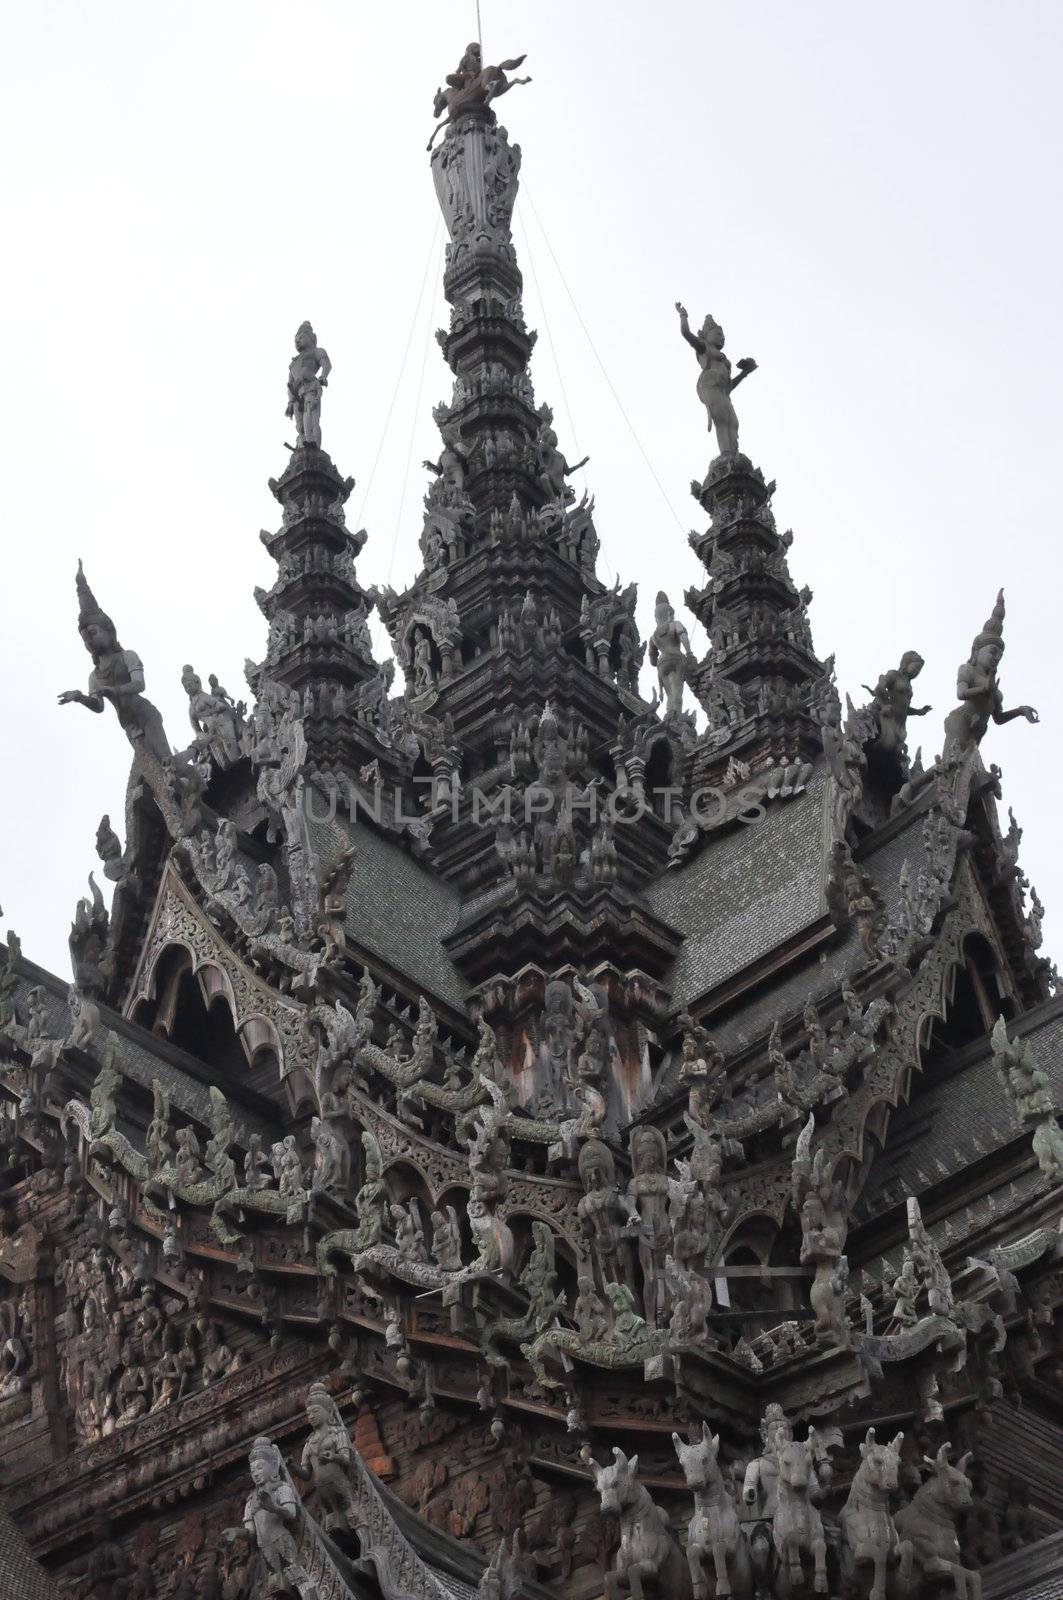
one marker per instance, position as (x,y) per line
(981,701)
(671,654)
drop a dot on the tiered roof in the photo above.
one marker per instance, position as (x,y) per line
(518,1068)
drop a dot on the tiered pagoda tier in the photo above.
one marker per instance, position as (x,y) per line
(507,1135)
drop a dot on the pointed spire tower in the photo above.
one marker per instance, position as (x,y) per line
(319,647)
(507,611)
(756,682)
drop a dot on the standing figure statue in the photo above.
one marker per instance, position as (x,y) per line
(820,1202)
(307,375)
(552,467)
(452,466)
(272,1511)
(981,701)
(328,1459)
(118,676)
(715,382)
(891,702)
(216,721)
(671,654)
(647,1207)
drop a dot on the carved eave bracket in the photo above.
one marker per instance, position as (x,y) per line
(261,1017)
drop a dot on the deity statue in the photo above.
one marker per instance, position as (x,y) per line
(423,671)
(372,1199)
(327,1458)
(257,1172)
(589,1312)
(703,1076)
(187,1158)
(647,1204)
(671,654)
(764,1484)
(409,1232)
(1030,1089)
(552,467)
(905,1291)
(930,1269)
(891,703)
(981,701)
(215,720)
(715,383)
(118,676)
(601,1214)
(15,1359)
(821,1203)
(452,465)
(308,373)
(272,1509)
(332,1158)
(446,1240)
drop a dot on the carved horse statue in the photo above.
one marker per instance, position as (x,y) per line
(647,1549)
(929,1523)
(868,1530)
(797,1525)
(714,1528)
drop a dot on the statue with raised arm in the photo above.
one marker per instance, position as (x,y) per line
(118,676)
(715,383)
(452,466)
(671,654)
(552,468)
(981,701)
(307,375)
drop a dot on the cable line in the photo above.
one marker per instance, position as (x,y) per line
(402,368)
(601,363)
(413,435)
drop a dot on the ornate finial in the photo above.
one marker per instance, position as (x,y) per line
(89,609)
(994,627)
(670,653)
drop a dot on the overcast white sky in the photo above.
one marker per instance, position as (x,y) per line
(865,195)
